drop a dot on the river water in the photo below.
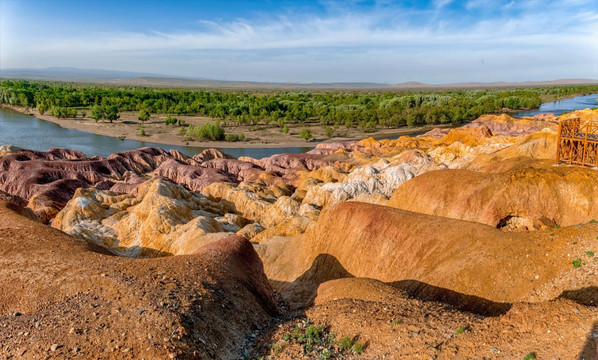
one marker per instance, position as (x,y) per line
(32,133)
(563,106)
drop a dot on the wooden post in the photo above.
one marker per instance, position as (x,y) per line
(558,143)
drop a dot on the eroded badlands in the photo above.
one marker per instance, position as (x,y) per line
(461,243)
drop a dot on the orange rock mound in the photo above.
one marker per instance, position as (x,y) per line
(68,301)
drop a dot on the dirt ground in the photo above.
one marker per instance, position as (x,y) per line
(256,136)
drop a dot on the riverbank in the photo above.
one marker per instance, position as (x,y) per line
(256,136)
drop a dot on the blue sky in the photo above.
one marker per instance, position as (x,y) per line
(437,41)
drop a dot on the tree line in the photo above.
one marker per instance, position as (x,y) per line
(360,108)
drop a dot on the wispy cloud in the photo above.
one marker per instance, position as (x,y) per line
(524,36)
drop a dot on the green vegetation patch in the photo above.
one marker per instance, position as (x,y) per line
(368,110)
(317,341)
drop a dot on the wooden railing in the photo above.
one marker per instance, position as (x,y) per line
(578,142)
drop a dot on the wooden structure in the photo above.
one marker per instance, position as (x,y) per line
(578,142)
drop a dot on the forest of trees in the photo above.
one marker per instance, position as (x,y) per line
(360,108)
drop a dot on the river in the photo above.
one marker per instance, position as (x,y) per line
(562,106)
(32,133)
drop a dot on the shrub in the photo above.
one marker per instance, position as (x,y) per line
(367,127)
(329,131)
(358,348)
(208,131)
(345,343)
(170,120)
(141,132)
(285,129)
(144,115)
(305,134)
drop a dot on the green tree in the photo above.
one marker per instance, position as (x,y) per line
(329,131)
(97,112)
(144,115)
(112,113)
(305,134)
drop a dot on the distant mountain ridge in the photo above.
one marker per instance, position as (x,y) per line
(150,79)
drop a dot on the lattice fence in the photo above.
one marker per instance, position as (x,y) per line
(578,142)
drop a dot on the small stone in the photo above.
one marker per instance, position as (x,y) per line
(150,336)
(76,350)
(72,330)
(162,303)
(140,312)
(127,350)
(493,350)
(54,347)
(172,355)
(16,313)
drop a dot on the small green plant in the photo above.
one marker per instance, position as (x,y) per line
(170,120)
(122,137)
(575,243)
(590,253)
(313,333)
(576,263)
(593,221)
(358,348)
(557,227)
(241,137)
(316,340)
(530,356)
(345,343)
(277,348)
(285,129)
(460,330)
(396,322)
(141,132)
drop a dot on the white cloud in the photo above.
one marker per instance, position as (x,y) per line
(390,45)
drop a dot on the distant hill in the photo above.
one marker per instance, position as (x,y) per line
(149,79)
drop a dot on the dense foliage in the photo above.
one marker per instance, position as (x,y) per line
(366,109)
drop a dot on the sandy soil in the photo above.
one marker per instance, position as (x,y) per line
(256,136)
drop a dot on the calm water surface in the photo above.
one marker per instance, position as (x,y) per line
(32,133)
(563,106)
